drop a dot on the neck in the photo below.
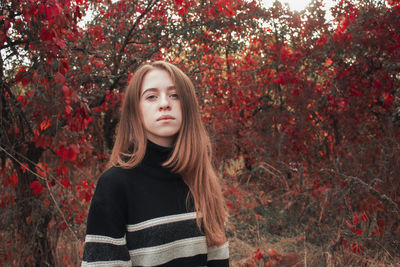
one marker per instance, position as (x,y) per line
(156,154)
(165,142)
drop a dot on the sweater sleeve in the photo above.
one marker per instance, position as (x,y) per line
(105,242)
(218,256)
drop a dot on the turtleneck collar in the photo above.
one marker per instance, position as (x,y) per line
(156,154)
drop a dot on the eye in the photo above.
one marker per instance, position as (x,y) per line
(151,97)
(174,95)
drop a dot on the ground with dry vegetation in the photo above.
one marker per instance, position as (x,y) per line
(270,229)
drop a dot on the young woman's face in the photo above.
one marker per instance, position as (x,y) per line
(160,107)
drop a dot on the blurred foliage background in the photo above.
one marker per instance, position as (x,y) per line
(303,111)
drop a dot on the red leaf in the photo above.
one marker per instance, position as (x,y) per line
(44,125)
(37,188)
(48,13)
(68,153)
(364,217)
(68,109)
(72,152)
(258,254)
(59,78)
(359,232)
(42,169)
(46,202)
(87,69)
(63,226)
(182,11)
(60,43)
(24,167)
(62,152)
(88,197)
(65,182)
(67,91)
(41,9)
(14,180)
(271,252)
(356,219)
(46,34)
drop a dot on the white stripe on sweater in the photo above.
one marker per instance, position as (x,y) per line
(105,239)
(158,255)
(218,253)
(161,220)
(106,263)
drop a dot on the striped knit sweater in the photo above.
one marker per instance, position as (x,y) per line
(139,217)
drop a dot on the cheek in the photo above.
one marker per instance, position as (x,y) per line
(178,110)
(180,115)
(144,116)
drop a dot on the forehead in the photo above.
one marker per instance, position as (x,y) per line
(157,78)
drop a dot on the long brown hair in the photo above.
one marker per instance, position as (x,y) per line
(191,156)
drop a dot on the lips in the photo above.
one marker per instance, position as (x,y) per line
(165,117)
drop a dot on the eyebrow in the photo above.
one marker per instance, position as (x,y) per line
(151,89)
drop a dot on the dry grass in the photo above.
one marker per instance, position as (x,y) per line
(242,251)
(272,226)
(68,251)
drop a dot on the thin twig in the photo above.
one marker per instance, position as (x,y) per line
(305,251)
(48,187)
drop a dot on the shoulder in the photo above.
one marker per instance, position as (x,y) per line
(113,180)
(112,176)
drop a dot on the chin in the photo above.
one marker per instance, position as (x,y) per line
(172,134)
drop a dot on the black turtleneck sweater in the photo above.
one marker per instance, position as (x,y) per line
(139,217)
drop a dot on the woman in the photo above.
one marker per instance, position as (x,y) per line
(159,203)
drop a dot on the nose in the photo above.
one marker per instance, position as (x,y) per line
(164,102)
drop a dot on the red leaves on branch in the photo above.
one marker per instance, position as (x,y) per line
(68,152)
(42,169)
(11,180)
